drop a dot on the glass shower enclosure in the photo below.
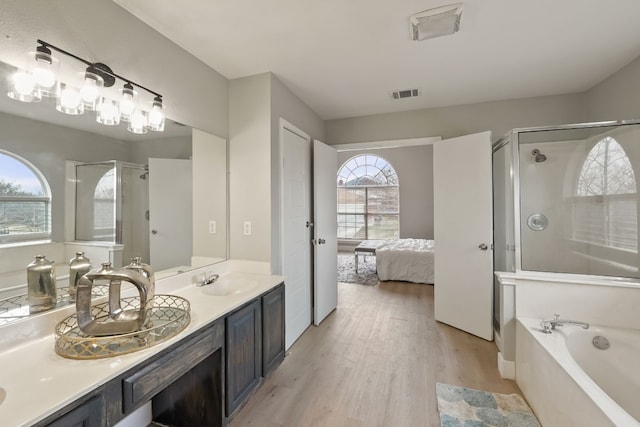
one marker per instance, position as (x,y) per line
(566,200)
(112,205)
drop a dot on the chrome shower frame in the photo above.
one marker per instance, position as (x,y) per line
(513,136)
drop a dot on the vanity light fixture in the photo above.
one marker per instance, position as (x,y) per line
(86,91)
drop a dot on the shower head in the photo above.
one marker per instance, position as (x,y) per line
(539,157)
(144,175)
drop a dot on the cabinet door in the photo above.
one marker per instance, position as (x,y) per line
(88,414)
(244,354)
(272,329)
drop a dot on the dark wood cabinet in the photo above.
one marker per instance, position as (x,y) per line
(85,414)
(244,354)
(202,379)
(272,329)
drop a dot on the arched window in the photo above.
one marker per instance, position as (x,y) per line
(104,207)
(605,212)
(25,201)
(368,199)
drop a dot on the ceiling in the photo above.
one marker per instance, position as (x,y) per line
(343,57)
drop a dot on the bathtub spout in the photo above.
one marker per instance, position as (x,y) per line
(560,322)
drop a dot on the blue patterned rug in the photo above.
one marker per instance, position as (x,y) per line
(466,407)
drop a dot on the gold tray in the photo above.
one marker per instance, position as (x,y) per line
(169,316)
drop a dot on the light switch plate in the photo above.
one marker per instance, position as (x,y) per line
(212,227)
(247,228)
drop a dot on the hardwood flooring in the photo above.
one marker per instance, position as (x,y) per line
(374,361)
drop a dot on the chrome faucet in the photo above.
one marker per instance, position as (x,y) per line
(550,325)
(207,280)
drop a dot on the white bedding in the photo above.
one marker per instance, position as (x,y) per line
(409,260)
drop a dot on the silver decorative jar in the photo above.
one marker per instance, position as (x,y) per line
(146,271)
(41,284)
(78,267)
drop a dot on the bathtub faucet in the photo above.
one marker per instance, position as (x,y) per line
(549,325)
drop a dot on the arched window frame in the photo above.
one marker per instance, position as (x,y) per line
(605,202)
(368,199)
(39,204)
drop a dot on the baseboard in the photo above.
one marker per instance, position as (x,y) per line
(507,368)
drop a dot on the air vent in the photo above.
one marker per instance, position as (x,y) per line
(437,22)
(406,93)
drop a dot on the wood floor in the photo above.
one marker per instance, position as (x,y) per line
(374,361)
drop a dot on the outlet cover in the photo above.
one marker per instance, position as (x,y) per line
(212,227)
(247,228)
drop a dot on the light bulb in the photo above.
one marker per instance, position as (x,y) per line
(127,101)
(44,76)
(23,87)
(156,116)
(91,89)
(138,122)
(70,101)
(108,112)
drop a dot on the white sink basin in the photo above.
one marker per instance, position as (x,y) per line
(226,286)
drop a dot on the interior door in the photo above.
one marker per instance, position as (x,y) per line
(463,233)
(296,229)
(170,213)
(325,231)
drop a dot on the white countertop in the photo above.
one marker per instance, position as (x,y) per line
(38,382)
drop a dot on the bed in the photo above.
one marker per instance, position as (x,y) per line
(409,260)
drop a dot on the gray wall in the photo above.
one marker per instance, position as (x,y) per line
(285,104)
(102,31)
(498,117)
(617,97)
(415,174)
(48,147)
(256,104)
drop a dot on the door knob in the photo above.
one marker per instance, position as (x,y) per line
(309,224)
(321,241)
(154,231)
(483,246)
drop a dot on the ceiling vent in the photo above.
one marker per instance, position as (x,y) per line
(406,93)
(440,21)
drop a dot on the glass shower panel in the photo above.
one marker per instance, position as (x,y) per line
(96,202)
(579,201)
(503,217)
(112,203)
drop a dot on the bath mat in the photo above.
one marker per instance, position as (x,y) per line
(466,407)
(366,274)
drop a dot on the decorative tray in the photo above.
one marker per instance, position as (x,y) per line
(168,316)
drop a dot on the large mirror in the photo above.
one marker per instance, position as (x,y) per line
(115,194)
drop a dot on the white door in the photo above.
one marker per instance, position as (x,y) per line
(325,231)
(296,231)
(170,213)
(463,233)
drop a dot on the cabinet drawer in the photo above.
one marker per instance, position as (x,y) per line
(153,378)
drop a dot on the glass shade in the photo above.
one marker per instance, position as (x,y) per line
(70,100)
(138,122)
(91,90)
(128,101)
(44,68)
(22,87)
(156,116)
(108,112)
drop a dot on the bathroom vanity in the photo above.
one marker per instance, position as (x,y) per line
(202,376)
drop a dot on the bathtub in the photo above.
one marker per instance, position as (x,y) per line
(569,382)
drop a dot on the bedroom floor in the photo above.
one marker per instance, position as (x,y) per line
(374,361)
